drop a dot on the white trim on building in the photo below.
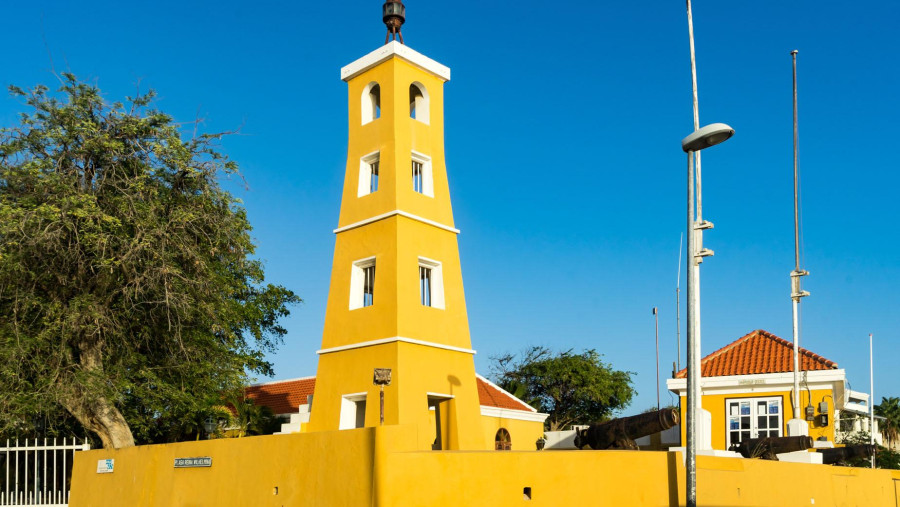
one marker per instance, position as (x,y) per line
(387,51)
(394,213)
(372,343)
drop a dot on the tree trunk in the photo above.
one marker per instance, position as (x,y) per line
(100,416)
(94,411)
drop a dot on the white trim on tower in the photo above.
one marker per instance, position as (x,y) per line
(388,50)
(394,213)
(395,339)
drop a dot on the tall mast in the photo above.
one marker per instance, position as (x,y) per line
(796,292)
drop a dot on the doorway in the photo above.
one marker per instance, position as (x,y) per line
(439,409)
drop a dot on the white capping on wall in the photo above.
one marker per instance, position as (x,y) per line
(388,50)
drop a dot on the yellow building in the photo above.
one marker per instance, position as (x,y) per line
(396,299)
(508,422)
(747,389)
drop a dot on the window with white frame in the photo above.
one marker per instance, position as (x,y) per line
(368,174)
(370,106)
(431,283)
(362,283)
(422,180)
(753,418)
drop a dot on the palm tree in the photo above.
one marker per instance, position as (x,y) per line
(889,409)
(252,419)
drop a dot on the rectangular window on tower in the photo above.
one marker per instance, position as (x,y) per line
(431,283)
(362,283)
(422,179)
(425,285)
(368,174)
(369,285)
(417,176)
(373,176)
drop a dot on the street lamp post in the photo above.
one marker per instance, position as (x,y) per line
(700,139)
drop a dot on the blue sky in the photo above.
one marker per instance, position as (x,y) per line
(563,123)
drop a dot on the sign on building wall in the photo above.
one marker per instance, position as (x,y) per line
(105,466)
(205,461)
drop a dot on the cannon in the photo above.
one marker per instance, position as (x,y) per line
(838,454)
(620,433)
(767,448)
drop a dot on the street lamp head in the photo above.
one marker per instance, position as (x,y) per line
(707,136)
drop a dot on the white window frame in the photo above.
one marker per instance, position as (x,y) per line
(427,176)
(369,108)
(350,415)
(357,282)
(421,104)
(437,282)
(754,426)
(365,173)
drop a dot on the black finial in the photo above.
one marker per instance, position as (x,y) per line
(393,15)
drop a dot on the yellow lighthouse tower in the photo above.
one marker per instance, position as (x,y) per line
(396,299)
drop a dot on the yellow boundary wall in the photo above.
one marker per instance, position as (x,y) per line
(355,468)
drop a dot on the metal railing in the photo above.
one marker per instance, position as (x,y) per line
(37,473)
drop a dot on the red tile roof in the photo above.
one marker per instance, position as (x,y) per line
(758,352)
(286,396)
(491,395)
(282,396)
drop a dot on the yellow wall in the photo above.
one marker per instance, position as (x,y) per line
(627,478)
(376,466)
(523,434)
(244,472)
(716,405)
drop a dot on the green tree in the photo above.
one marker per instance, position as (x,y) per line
(572,388)
(889,408)
(128,288)
(252,419)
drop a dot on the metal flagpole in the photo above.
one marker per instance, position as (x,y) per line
(656,315)
(797,427)
(871,401)
(678,302)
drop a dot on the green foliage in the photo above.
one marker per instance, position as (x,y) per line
(252,419)
(572,388)
(884,457)
(129,295)
(889,408)
(56,424)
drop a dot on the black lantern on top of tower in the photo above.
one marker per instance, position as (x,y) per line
(393,14)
